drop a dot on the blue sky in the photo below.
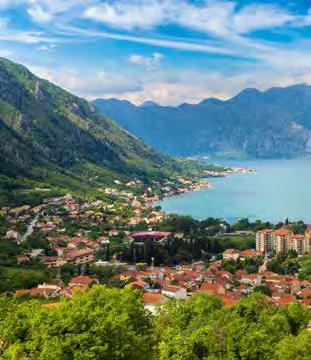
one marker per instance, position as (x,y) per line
(169,51)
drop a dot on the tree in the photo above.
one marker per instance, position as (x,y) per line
(98,323)
(264,289)
(298,316)
(294,347)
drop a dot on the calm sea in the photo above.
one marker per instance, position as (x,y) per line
(279,189)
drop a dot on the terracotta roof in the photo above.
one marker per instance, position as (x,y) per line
(172,288)
(231,251)
(22,258)
(251,276)
(152,298)
(250,253)
(150,234)
(286,299)
(35,292)
(265,231)
(305,293)
(282,232)
(306,302)
(83,280)
(138,284)
(298,236)
(213,288)
(229,300)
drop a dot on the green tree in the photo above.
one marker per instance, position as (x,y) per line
(298,316)
(99,323)
(294,347)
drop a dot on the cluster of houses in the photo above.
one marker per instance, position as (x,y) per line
(58,289)
(282,240)
(158,284)
(80,248)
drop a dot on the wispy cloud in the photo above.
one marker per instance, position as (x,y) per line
(209,32)
(129,15)
(218,17)
(203,46)
(150,62)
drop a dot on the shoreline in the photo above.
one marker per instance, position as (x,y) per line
(204,183)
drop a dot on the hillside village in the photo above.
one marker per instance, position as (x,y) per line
(78,243)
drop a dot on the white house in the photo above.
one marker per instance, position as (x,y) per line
(251,279)
(176,292)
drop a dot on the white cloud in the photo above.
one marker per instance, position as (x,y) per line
(91,84)
(150,62)
(254,17)
(39,14)
(217,17)
(196,46)
(5,53)
(129,15)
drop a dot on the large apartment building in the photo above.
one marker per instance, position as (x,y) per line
(281,240)
(300,243)
(264,240)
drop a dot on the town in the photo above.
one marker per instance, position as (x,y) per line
(67,243)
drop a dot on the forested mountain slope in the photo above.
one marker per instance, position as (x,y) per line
(49,137)
(271,124)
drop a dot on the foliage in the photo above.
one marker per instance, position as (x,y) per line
(100,323)
(284,263)
(103,323)
(14,278)
(54,141)
(202,328)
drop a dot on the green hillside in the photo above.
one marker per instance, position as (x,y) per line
(50,138)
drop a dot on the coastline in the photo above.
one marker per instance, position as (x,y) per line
(203,183)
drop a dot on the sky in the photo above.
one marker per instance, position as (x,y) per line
(168,51)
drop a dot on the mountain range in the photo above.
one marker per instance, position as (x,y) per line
(50,138)
(271,124)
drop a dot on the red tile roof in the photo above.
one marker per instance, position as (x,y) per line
(83,280)
(214,288)
(150,234)
(282,232)
(265,231)
(231,251)
(172,288)
(152,298)
(250,253)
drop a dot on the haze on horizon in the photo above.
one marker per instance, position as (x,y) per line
(170,52)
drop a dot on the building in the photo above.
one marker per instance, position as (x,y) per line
(142,236)
(249,253)
(173,291)
(83,280)
(264,241)
(79,257)
(216,288)
(251,279)
(151,301)
(44,290)
(282,240)
(300,243)
(231,254)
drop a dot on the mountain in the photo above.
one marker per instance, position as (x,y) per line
(50,138)
(272,124)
